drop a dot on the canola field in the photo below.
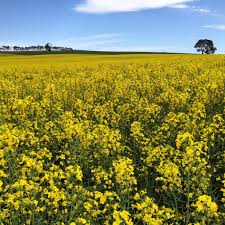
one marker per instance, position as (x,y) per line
(112,139)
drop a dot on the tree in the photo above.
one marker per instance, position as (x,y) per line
(205,46)
(48,47)
(6,47)
(16,48)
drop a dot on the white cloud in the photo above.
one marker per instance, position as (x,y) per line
(180,6)
(91,42)
(111,42)
(14,43)
(110,6)
(215,26)
(142,48)
(202,10)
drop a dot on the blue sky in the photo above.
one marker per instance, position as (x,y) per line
(114,25)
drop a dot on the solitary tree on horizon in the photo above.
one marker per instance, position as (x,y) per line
(205,46)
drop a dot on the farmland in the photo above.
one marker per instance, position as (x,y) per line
(112,139)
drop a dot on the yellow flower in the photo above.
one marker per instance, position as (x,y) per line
(87,206)
(124,173)
(205,205)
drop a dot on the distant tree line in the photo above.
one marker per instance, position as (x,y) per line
(47,47)
(204,46)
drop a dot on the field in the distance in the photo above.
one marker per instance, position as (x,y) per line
(71,59)
(112,139)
